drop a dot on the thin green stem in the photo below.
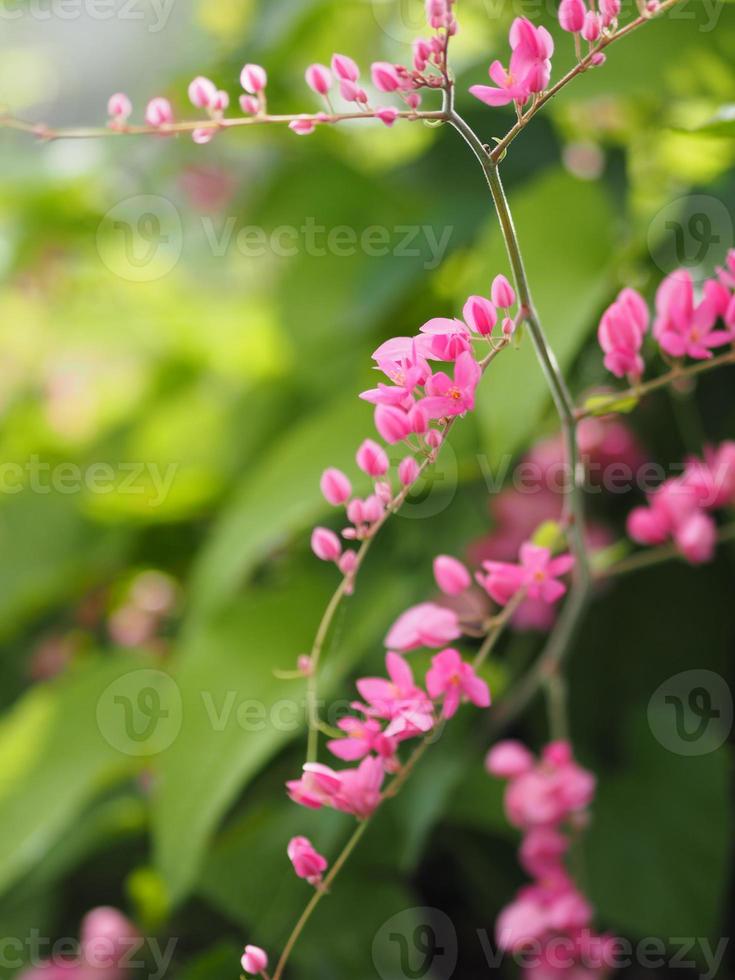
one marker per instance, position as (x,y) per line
(656,556)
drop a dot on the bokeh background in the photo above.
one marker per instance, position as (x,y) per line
(176,370)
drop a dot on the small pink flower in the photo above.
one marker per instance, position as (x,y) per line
(408,471)
(571,15)
(319,79)
(254,960)
(158,112)
(502,293)
(363,737)
(359,789)
(480,315)
(592,28)
(451,679)
(538,573)
(696,538)
(621,332)
(397,699)
(345,68)
(325,544)
(315,788)
(683,327)
(335,486)
(448,338)
(249,105)
(119,107)
(451,575)
(509,759)
(306,861)
(201,92)
(303,126)
(385,77)
(372,458)
(610,10)
(446,397)
(507,88)
(386,114)
(425,625)
(253,79)
(392,423)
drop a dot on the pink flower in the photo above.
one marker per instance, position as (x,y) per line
(359,789)
(385,77)
(386,114)
(622,329)
(325,544)
(250,105)
(315,788)
(509,759)
(610,10)
(480,315)
(450,678)
(158,112)
(696,538)
(451,575)
(446,397)
(119,107)
(202,92)
(345,68)
(713,479)
(253,79)
(408,471)
(538,573)
(363,737)
(303,126)
(448,338)
(319,78)
(532,51)
(335,486)
(571,15)
(502,293)
(398,699)
(254,960)
(592,27)
(392,423)
(306,861)
(682,327)
(372,458)
(542,850)
(425,625)
(507,88)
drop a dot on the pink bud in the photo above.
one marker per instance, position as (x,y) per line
(349,91)
(304,663)
(571,15)
(413,100)
(201,92)
(509,326)
(392,423)
(387,115)
(119,106)
(356,511)
(306,861)
(433,438)
(408,471)
(220,102)
(597,59)
(325,544)
(249,105)
(610,10)
(319,78)
(480,315)
(421,54)
(254,960)
(696,538)
(417,419)
(335,486)
(385,77)
(373,509)
(592,26)
(508,759)
(253,79)
(384,491)
(158,112)
(345,68)
(203,135)
(451,576)
(558,753)
(302,126)
(348,562)
(502,293)
(372,458)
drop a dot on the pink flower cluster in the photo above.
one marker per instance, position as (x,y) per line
(684,325)
(414,408)
(549,917)
(529,69)
(679,510)
(393,710)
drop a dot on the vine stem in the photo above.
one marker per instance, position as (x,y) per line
(656,556)
(582,66)
(671,377)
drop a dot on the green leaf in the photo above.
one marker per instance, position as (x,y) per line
(604,404)
(721,124)
(565,230)
(54,757)
(280,498)
(645,818)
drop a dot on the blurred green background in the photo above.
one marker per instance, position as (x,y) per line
(171,389)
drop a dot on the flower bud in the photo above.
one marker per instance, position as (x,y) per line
(158,112)
(571,15)
(201,92)
(385,77)
(302,126)
(119,106)
(392,423)
(480,315)
(508,759)
(325,544)
(592,26)
(372,458)
(451,575)
(253,79)
(387,115)
(502,293)
(345,68)
(254,960)
(318,78)
(335,486)
(408,471)
(220,101)
(249,105)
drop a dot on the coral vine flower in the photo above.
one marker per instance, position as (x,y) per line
(398,699)
(451,575)
(306,861)
(363,737)
(683,327)
(621,332)
(446,397)
(448,337)
(450,678)
(425,625)
(529,71)
(538,573)
(254,960)
(354,791)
